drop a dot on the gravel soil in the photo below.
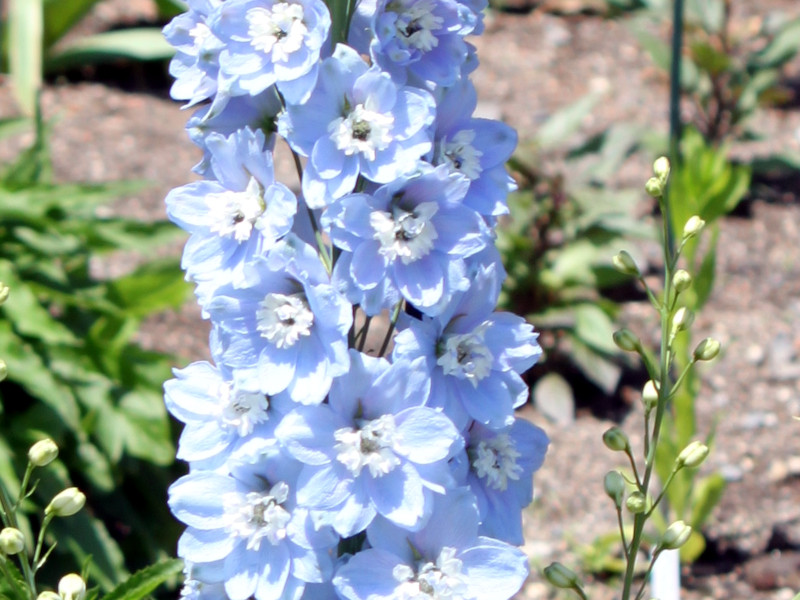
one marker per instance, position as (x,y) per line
(119,124)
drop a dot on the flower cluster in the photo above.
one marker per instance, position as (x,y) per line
(322,467)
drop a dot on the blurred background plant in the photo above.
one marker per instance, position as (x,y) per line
(76,373)
(36,42)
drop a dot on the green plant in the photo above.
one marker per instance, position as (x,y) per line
(563,226)
(33,29)
(727,73)
(76,374)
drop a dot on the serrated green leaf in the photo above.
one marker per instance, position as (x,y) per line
(132,44)
(154,286)
(29,317)
(15,586)
(25,31)
(142,583)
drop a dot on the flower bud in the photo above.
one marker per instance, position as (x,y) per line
(706,350)
(624,263)
(3,369)
(654,187)
(66,503)
(626,340)
(48,596)
(72,587)
(614,485)
(615,439)
(43,452)
(650,395)
(4,291)
(661,168)
(681,280)
(636,503)
(682,319)
(693,455)
(693,226)
(560,576)
(675,536)
(12,541)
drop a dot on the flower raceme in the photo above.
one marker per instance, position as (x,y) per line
(323,464)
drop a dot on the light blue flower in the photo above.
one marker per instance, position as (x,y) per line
(219,413)
(356,122)
(421,41)
(498,467)
(254,112)
(287,326)
(195,65)
(271,42)
(246,526)
(446,560)
(234,219)
(413,232)
(474,356)
(372,449)
(478,149)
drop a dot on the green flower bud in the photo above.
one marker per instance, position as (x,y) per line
(66,503)
(3,369)
(661,168)
(708,349)
(650,395)
(72,587)
(4,291)
(682,319)
(626,340)
(615,439)
(624,263)
(560,576)
(636,503)
(43,452)
(48,596)
(681,280)
(614,485)
(654,187)
(675,536)
(11,541)
(693,455)
(693,226)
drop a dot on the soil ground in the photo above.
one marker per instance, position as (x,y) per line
(120,124)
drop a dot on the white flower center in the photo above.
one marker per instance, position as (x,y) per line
(362,130)
(496,460)
(442,580)
(279,31)
(234,214)
(283,319)
(465,355)
(241,410)
(416,23)
(405,234)
(258,515)
(200,33)
(460,155)
(369,446)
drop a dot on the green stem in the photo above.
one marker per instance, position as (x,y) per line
(675,98)
(10,520)
(622,535)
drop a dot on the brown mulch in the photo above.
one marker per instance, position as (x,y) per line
(531,65)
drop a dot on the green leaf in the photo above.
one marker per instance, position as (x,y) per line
(706,274)
(707,494)
(12,125)
(142,583)
(133,44)
(154,286)
(565,122)
(693,547)
(16,587)
(29,317)
(168,9)
(781,49)
(595,328)
(61,16)
(144,427)
(25,19)
(604,373)
(709,59)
